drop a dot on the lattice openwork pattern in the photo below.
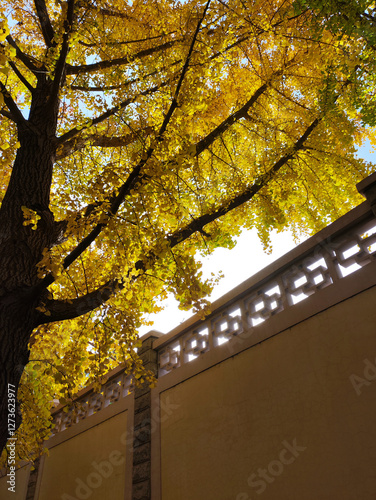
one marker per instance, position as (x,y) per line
(89,404)
(328,262)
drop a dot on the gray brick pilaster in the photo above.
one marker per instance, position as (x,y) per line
(31,488)
(141,489)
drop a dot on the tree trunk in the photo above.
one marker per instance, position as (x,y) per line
(16,316)
(21,246)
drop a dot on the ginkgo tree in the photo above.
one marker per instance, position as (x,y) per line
(349,21)
(133,135)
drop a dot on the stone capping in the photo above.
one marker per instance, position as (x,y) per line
(117,386)
(89,388)
(335,229)
(88,402)
(366,184)
(340,249)
(367,188)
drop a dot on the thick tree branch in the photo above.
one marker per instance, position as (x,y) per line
(21,77)
(60,310)
(199,223)
(7,115)
(105,11)
(114,13)
(127,42)
(120,85)
(75,131)
(153,73)
(229,121)
(109,12)
(102,88)
(120,61)
(44,20)
(16,114)
(27,60)
(133,177)
(240,113)
(98,140)
(60,68)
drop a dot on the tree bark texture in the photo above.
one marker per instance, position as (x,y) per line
(21,246)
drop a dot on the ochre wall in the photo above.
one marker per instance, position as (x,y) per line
(309,389)
(22,478)
(90,465)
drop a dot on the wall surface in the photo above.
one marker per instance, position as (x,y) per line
(289,419)
(22,478)
(90,465)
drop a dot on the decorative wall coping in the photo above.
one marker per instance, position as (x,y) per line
(366,184)
(367,188)
(337,227)
(88,402)
(340,249)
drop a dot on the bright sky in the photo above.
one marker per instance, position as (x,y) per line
(237,265)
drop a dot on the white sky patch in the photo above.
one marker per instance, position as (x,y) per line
(237,265)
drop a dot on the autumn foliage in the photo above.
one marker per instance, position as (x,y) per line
(135,134)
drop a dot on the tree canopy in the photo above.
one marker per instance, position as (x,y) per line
(353,24)
(135,134)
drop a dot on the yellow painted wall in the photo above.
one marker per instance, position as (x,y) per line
(312,387)
(22,478)
(90,465)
